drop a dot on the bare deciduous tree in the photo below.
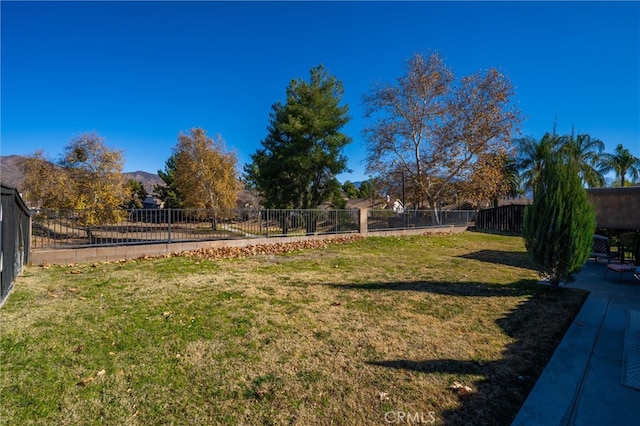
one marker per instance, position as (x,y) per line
(433,130)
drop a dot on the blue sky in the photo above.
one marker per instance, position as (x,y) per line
(139,73)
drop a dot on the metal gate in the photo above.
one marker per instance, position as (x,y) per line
(15,238)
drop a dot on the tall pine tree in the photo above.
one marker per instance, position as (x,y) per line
(559,225)
(169,192)
(301,155)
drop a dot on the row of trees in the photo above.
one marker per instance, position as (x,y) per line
(437,139)
(588,153)
(88,177)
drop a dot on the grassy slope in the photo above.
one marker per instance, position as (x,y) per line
(344,334)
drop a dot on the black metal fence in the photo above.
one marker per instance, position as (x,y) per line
(503,218)
(14,242)
(387,220)
(73,228)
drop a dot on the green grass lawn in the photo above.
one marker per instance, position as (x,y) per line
(355,333)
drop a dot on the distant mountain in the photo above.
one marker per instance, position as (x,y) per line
(148,180)
(11,174)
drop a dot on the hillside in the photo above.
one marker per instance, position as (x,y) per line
(148,180)
(11,174)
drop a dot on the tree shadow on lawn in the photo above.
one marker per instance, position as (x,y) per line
(452,288)
(502,257)
(536,325)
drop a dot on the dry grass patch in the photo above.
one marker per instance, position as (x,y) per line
(451,327)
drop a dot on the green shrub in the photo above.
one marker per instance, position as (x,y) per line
(559,225)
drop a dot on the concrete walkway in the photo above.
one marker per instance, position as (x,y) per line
(593,377)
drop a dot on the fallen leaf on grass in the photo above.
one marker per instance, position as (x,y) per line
(460,388)
(75,272)
(240,252)
(101,373)
(85,381)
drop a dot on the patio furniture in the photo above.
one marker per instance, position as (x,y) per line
(601,248)
(625,247)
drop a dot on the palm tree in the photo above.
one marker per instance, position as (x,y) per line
(586,151)
(621,162)
(532,156)
(511,176)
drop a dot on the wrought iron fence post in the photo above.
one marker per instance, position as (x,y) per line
(169,225)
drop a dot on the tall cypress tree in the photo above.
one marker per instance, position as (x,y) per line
(301,155)
(559,225)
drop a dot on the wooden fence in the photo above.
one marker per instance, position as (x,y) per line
(503,218)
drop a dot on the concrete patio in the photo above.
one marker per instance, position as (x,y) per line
(593,376)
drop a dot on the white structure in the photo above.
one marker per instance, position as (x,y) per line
(398,207)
